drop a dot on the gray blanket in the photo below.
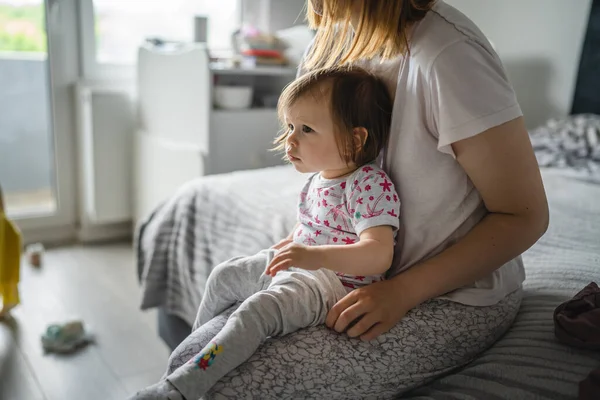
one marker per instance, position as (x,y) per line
(215,218)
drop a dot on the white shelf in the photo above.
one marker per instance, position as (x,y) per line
(254,110)
(220,69)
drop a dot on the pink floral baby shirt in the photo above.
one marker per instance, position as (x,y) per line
(336,211)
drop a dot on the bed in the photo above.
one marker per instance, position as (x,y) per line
(204,224)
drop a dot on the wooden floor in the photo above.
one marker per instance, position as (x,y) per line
(97,284)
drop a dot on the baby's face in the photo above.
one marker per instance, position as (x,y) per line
(311,144)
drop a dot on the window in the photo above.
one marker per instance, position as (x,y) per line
(38,65)
(22,26)
(26,138)
(112,30)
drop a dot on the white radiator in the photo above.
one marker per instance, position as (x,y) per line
(106,123)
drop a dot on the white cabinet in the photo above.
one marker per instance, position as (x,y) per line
(242,140)
(183,136)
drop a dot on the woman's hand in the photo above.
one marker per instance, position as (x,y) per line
(373,310)
(294,255)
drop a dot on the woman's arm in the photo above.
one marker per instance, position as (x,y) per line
(372,255)
(501,164)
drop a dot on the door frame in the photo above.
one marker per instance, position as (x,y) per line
(63,73)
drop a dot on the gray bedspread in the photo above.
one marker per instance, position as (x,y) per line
(214,218)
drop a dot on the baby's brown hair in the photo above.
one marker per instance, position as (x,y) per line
(357,98)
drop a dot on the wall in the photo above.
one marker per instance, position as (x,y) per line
(286,13)
(25,135)
(540,44)
(274,14)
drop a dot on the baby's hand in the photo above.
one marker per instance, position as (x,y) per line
(282,243)
(294,255)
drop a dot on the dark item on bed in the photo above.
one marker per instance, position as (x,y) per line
(589,388)
(577,323)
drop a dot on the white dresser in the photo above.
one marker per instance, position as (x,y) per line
(182,136)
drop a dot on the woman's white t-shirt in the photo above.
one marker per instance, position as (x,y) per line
(450,87)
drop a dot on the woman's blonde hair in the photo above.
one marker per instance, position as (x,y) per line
(356,98)
(381,30)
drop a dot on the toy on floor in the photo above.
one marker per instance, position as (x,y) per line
(34,253)
(10,262)
(65,338)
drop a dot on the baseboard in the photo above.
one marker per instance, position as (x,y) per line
(68,234)
(104,233)
(50,237)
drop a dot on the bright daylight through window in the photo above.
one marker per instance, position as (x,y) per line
(121,26)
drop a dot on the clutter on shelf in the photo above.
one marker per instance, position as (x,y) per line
(296,39)
(255,48)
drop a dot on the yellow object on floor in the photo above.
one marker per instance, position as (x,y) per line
(10,261)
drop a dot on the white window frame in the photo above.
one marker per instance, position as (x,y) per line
(90,68)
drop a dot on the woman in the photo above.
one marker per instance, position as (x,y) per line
(472,201)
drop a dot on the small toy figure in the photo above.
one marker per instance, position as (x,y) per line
(65,338)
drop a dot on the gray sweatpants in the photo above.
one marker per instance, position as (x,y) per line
(271,306)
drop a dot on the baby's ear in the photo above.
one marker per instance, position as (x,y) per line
(360,135)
